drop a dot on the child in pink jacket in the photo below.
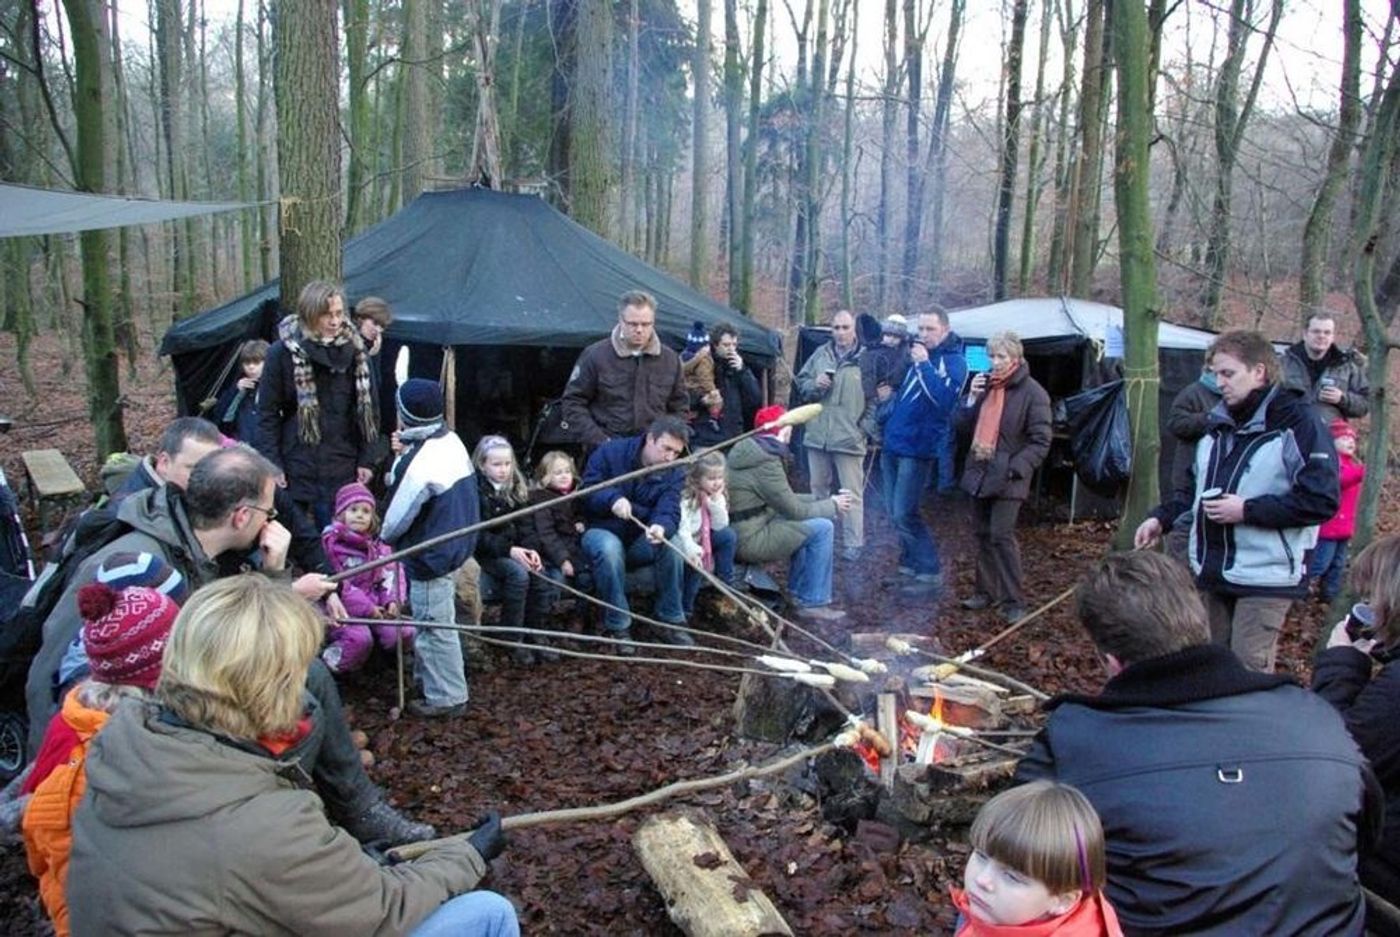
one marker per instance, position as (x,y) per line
(352,540)
(1329,557)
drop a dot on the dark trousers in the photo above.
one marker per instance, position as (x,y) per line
(525,599)
(998,554)
(331,757)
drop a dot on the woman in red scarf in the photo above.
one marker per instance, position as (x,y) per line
(1010,414)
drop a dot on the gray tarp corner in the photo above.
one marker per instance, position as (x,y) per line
(26,211)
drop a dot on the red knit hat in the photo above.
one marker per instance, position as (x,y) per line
(124,633)
(1340,428)
(767,415)
(353,493)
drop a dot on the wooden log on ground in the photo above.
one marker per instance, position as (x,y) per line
(779,711)
(707,893)
(887,716)
(963,705)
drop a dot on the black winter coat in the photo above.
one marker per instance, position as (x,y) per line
(495,542)
(556,537)
(313,471)
(742,398)
(1022,445)
(1231,800)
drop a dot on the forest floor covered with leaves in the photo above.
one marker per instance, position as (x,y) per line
(588,732)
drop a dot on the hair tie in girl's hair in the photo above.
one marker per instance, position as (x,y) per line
(1086,883)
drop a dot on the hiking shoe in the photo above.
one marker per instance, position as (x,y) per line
(820,613)
(675,636)
(976,603)
(426,710)
(1012,613)
(381,823)
(624,646)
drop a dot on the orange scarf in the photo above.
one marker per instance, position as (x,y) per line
(984,437)
(1092,916)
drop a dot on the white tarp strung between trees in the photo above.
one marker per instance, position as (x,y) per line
(26,211)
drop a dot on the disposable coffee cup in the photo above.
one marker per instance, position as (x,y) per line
(1328,382)
(1361,622)
(1212,494)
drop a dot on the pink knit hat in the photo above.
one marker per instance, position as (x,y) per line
(124,633)
(353,493)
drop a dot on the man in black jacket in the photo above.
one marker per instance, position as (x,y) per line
(1231,800)
(1329,377)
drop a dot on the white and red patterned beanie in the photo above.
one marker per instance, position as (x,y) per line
(124,632)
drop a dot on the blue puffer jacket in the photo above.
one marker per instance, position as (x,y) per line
(920,415)
(1232,802)
(655,498)
(431,492)
(1283,463)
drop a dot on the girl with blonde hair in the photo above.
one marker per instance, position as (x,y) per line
(1037,867)
(199,803)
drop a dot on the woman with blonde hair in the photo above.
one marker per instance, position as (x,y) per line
(1368,699)
(199,821)
(1010,416)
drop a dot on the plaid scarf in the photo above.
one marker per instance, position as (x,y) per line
(303,377)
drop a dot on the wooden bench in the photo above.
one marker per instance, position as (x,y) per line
(51,482)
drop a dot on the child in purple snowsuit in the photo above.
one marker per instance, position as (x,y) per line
(352,540)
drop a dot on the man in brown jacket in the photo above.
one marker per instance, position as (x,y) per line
(623,382)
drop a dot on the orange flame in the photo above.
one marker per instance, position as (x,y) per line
(936,710)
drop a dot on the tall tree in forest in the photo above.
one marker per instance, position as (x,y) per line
(1231,117)
(848,168)
(756,58)
(123,155)
(1317,234)
(889,116)
(91,110)
(244,149)
(267,227)
(1010,148)
(1034,160)
(1083,217)
(359,167)
(805,270)
(938,137)
(169,35)
(592,173)
(700,146)
(415,122)
(733,162)
(308,143)
(914,35)
(630,109)
(1137,263)
(1063,171)
(1378,201)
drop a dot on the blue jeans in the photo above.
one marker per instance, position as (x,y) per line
(905,480)
(438,662)
(610,560)
(525,599)
(1326,565)
(944,455)
(723,543)
(809,570)
(477,913)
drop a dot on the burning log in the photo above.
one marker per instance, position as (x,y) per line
(964,704)
(707,893)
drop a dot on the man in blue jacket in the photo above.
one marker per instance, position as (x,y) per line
(917,429)
(1232,801)
(614,543)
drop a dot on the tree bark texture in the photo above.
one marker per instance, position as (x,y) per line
(1010,149)
(733,159)
(938,135)
(592,174)
(308,144)
(1034,160)
(1084,209)
(414,118)
(889,115)
(359,168)
(700,146)
(913,187)
(756,57)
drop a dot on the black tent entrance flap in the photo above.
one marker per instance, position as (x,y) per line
(26,211)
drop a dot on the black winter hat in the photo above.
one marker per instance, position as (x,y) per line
(420,402)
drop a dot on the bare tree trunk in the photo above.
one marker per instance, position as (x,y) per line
(1010,149)
(168,37)
(1084,204)
(629,125)
(1138,268)
(913,187)
(757,53)
(592,176)
(486,141)
(308,144)
(848,168)
(1317,234)
(889,115)
(1059,226)
(733,161)
(806,250)
(1034,161)
(242,145)
(266,227)
(700,146)
(1376,202)
(91,109)
(1231,116)
(414,117)
(938,136)
(359,167)
(124,319)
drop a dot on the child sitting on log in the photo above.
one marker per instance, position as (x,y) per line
(557,527)
(1036,869)
(352,540)
(704,533)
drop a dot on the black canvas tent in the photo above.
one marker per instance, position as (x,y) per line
(507,281)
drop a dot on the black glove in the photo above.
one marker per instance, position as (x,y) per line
(488,838)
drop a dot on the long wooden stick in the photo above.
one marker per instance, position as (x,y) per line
(607,811)
(1011,629)
(793,417)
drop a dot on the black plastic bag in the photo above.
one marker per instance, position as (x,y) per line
(1101,437)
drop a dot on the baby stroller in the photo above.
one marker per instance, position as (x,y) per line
(16,577)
